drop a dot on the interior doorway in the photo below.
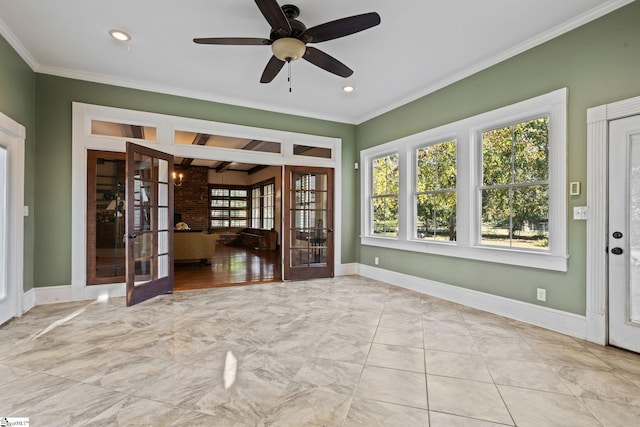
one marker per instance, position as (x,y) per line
(109,129)
(200,205)
(239,205)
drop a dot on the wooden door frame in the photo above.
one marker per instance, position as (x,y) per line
(92,155)
(286,226)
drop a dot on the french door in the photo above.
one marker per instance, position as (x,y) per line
(308,223)
(624,233)
(149,230)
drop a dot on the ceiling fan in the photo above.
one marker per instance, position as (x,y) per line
(289,38)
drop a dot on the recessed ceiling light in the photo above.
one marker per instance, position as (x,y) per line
(120,35)
(348,88)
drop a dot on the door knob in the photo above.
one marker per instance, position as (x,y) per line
(617,235)
(617,251)
(131,236)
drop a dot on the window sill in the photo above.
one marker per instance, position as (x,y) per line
(520,258)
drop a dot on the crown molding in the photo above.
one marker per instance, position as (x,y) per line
(17,46)
(557,31)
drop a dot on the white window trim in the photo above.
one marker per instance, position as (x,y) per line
(467,133)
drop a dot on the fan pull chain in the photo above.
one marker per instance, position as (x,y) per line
(289,76)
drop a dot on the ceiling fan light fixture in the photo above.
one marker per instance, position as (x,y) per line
(348,88)
(120,35)
(288,49)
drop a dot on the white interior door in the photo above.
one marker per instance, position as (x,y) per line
(624,233)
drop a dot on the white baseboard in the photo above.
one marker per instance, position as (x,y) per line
(548,318)
(346,269)
(52,294)
(28,300)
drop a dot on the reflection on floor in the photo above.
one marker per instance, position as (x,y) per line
(348,351)
(229,267)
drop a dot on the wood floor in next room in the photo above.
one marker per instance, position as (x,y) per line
(229,267)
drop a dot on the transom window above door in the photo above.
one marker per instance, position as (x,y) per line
(223,141)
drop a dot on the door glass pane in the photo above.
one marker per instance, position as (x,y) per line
(299,257)
(143,192)
(163,170)
(299,238)
(163,194)
(110,214)
(163,219)
(163,266)
(634,232)
(142,245)
(163,242)
(143,167)
(142,271)
(141,219)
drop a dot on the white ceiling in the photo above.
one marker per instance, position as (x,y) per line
(420,46)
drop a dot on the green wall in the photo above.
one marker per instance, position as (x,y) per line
(54,96)
(17,100)
(599,63)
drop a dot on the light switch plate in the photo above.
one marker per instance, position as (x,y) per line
(581,213)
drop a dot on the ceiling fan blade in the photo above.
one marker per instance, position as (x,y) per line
(275,16)
(326,62)
(271,70)
(248,41)
(340,27)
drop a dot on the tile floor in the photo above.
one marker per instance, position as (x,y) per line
(343,352)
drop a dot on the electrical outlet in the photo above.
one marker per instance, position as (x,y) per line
(542,294)
(376,260)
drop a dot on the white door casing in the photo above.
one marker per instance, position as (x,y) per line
(12,136)
(624,233)
(83,139)
(598,119)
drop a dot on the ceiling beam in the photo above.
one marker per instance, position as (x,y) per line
(251,145)
(199,139)
(255,169)
(300,149)
(223,166)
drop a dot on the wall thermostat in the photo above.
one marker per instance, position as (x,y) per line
(574,188)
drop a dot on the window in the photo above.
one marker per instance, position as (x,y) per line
(263,206)
(515,185)
(101,127)
(384,198)
(435,194)
(228,206)
(491,187)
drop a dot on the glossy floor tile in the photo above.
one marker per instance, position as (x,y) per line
(347,351)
